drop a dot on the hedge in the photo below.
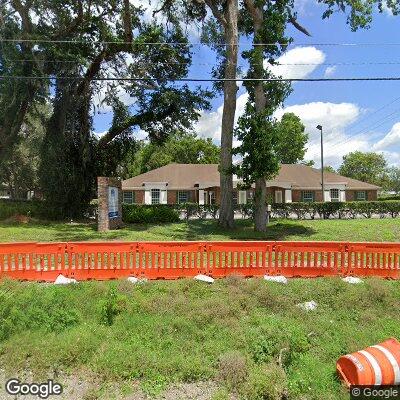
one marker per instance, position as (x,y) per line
(351,209)
(10,208)
(344,210)
(136,213)
(36,209)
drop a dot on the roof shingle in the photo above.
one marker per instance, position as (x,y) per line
(186,176)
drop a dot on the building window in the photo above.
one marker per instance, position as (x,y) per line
(235,197)
(212,198)
(334,194)
(361,195)
(308,196)
(128,197)
(183,197)
(155,196)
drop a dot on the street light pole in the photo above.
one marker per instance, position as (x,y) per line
(319,127)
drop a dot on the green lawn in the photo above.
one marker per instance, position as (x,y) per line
(346,230)
(242,336)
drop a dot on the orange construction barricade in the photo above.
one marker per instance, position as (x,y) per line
(376,365)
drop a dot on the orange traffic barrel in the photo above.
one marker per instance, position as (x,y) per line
(376,365)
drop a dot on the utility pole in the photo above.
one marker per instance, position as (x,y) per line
(319,127)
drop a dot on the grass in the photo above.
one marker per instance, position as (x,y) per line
(233,332)
(318,230)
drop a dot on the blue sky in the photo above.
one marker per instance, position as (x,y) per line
(350,112)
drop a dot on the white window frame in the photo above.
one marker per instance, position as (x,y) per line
(235,197)
(364,197)
(154,200)
(128,199)
(307,199)
(278,196)
(335,198)
(179,193)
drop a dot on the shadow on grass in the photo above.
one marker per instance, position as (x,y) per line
(244,230)
(185,230)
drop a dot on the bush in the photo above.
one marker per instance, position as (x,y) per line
(111,306)
(351,209)
(134,213)
(232,369)
(265,382)
(29,208)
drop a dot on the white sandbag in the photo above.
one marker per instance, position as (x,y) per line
(352,279)
(135,280)
(308,305)
(204,278)
(279,279)
(63,280)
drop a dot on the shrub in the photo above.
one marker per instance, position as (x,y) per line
(111,306)
(232,369)
(352,209)
(134,213)
(10,208)
(265,382)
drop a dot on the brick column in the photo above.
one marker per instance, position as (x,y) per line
(106,221)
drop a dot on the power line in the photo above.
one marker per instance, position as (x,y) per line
(368,116)
(359,79)
(211,64)
(21,40)
(375,112)
(377,124)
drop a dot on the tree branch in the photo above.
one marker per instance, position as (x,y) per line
(214,9)
(299,27)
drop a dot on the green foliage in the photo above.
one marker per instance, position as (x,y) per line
(181,147)
(10,208)
(359,13)
(265,382)
(232,369)
(291,139)
(34,309)
(111,306)
(328,168)
(351,209)
(19,169)
(258,137)
(72,156)
(134,213)
(393,180)
(366,167)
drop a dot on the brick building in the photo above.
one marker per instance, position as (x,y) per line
(199,183)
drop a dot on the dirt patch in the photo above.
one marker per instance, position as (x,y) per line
(85,388)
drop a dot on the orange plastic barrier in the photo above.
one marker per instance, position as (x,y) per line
(376,365)
(173,260)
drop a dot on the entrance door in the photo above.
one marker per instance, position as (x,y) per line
(278,196)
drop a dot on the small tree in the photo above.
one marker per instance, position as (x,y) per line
(393,179)
(367,167)
(291,139)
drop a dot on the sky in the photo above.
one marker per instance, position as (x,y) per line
(361,116)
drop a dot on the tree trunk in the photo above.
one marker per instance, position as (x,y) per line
(226,219)
(260,207)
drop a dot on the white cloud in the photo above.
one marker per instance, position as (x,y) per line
(209,124)
(297,63)
(392,139)
(334,118)
(329,71)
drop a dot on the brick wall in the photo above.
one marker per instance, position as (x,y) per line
(296,195)
(104,222)
(371,195)
(171,196)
